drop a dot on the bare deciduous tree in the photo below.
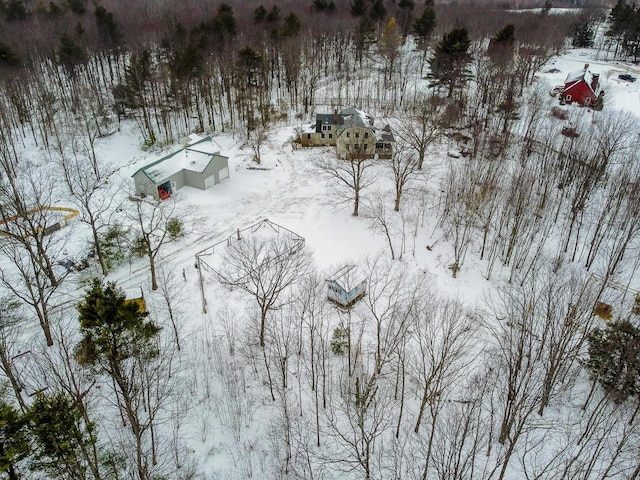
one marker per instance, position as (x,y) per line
(158,223)
(421,127)
(265,268)
(376,214)
(445,334)
(90,191)
(351,176)
(173,291)
(30,239)
(403,166)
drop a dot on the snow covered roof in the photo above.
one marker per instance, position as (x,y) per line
(348,277)
(356,118)
(132,293)
(308,128)
(574,78)
(195,156)
(385,134)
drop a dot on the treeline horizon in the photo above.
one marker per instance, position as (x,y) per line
(108,25)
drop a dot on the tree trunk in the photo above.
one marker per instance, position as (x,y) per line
(152,263)
(8,371)
(356,203)
(99,252)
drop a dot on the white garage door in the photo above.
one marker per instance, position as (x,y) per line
(224,173)
(209,181)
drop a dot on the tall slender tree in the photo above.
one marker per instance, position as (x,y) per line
(118,339)
(450,60)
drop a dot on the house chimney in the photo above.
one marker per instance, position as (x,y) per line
(335,116)
(595,78)
(586,66)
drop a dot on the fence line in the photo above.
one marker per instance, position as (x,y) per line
(237,236)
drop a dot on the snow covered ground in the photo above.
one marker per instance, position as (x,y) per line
(288,189)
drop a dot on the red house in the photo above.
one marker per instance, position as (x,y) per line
(582,87)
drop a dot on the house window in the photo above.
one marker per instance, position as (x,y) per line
(587,101)
(357,134)
(347,145)
(328,127)
(379,145)
(568,98)
(308,136)
(324,127)
(348,134)
(323,135)
(366,134)
(357,146)
(331,135)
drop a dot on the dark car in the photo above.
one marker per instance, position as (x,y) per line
(627,77)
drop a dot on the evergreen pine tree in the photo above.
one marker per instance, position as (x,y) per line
(113,330)
(259,14)
(118,340)
(450,60)
(129,93)
(70,53)
(107,28)
(362,36)
(324,5)
(224,23)
(291,27)
(7,56)
(249,63)
(15,10)
(14,440)
(424,25)
(59,437)
(614,359)
(583,35)
(187,62)
(501,47)
(273,16)
(358,8)
(378,10)
(76,6)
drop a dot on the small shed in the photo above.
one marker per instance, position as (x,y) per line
(346,286)
(136,296)
(198,164)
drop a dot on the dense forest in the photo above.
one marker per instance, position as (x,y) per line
(409,383)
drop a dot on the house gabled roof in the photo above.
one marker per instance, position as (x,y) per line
(347,278)
(195,156)
(356,118)
(386,135)
(585,75)
(327,119)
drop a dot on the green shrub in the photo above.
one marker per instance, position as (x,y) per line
(174,228)
(114,243)
(340,340)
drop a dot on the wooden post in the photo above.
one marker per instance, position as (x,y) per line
(204,300)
